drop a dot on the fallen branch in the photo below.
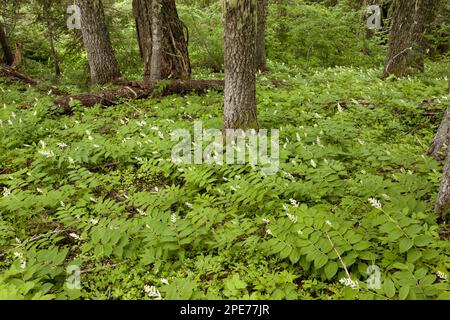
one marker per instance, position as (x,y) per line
(13,74)
(140,91)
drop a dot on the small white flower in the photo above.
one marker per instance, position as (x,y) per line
(269,232)
(349,283)
(294,202)
(152,292)
(375,203)
(17,255)
(164,281)
(141,212)
(328,222)
(62,145)
(292,217)
(47,153)
(62,203)
(6,192)
(319,143)
(173,218)
(39,190)
(75,236)
(23,264)
(441,275)
(94,221)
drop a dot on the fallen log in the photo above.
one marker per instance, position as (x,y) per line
(13,74)
(140,91)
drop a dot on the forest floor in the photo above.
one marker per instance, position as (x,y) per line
(97,190)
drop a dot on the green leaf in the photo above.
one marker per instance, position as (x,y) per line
(389,288)
(330,269)
(405,244)
(320,260)
(423,240)
(403,293)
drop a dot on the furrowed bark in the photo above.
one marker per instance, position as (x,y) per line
(240,67)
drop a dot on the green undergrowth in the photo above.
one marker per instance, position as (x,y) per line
(97,190)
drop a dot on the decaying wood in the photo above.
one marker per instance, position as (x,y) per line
(441,140)
(438,147)
(15,75)
(442,206)
(140,91)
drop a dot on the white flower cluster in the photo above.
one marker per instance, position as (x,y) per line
(152,292)
(349,283)
(75,236)
(292,217)
(294,202)
(441,275)
(141,212)
(23,262)
(47,153)
(173,218)
(6,192)
(375,203)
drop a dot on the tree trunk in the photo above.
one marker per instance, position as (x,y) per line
(143,15)
(261,35)
(407,44)
(52,44)
(439,145)
(240,50)
(157,38)
(9,58)
(102,62)
(442,206)
(160,17)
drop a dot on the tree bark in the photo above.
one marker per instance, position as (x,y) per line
(261,63)
(9,58)
(442,206)
(157,39)
(51,43)
(102,62)
(143,16)
(160,17)
(407,44)
(240,50)
(439,145)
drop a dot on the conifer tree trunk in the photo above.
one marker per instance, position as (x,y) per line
(262,6)
(407,45)
(240,50)
(102,62)
(143,15)
(9,58)
(159,18)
